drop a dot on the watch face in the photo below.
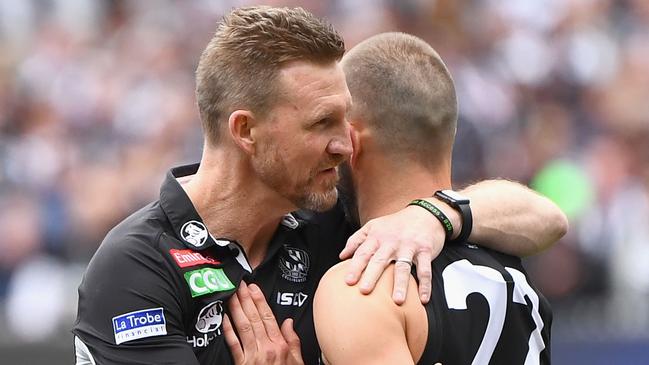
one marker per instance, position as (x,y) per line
(455,196)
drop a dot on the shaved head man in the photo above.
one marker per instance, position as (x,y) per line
(483,309)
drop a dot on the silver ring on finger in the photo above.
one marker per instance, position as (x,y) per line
(404,260)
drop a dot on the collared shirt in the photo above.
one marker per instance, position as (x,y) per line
(157,288)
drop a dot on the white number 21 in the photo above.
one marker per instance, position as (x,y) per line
(462,278)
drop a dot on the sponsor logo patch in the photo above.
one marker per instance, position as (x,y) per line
(210,318)
(291,299)
(294,265)
(139,324)
(207,280)
(194,233)
(186,258)
(202,341)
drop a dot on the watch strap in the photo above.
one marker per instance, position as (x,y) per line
(467,223)
(462,205)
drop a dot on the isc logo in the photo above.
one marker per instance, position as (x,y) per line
(295,299)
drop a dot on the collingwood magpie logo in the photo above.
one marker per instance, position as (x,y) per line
(194,233)
(294,264)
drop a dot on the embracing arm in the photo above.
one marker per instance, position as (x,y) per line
(511,218)
(507,217)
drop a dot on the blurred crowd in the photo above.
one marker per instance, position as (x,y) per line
(96,103)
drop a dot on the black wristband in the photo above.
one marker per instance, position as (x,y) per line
(462,205)
(446,223)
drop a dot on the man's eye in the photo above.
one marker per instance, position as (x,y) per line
(322,122)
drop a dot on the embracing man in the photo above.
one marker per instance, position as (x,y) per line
(273,102)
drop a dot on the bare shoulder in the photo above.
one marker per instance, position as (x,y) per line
(334,279)
(337,271)
(334,296)
(348,321)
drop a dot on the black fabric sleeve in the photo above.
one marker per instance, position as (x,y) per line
(126,288)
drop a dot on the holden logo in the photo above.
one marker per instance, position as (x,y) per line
(194,233)
(210,317)
(294,265)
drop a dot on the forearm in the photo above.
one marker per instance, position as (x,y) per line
(510,218)
(507,217)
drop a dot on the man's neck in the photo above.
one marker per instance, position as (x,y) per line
(385,188)
(234,204)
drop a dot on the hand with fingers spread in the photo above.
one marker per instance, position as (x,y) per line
(260,340)
(407,237)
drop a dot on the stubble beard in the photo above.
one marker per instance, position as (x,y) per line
(273,170)
(318,202)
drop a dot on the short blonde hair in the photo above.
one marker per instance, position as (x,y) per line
(405,93)
(239,67)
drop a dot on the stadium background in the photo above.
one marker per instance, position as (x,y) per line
(96,102)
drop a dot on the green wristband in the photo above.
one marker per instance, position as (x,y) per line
(446,223)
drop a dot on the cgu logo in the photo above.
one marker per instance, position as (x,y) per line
(294,299)
(207,280)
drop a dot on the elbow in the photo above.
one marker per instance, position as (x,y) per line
(560,223)
(557,227)
(562,226)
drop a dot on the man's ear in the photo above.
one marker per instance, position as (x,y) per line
(356,143)
(240,124)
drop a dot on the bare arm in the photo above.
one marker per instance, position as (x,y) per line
(511,218)
(353,328)
(507,217)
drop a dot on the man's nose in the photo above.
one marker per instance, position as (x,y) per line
(341,144)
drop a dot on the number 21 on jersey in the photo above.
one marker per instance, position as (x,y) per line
(462,278)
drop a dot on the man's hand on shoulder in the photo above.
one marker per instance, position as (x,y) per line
(409,235)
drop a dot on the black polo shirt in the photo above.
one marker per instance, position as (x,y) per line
(157,287)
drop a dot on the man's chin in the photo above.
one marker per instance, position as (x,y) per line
(319,202)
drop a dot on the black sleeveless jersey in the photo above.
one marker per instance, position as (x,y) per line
(484,310)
